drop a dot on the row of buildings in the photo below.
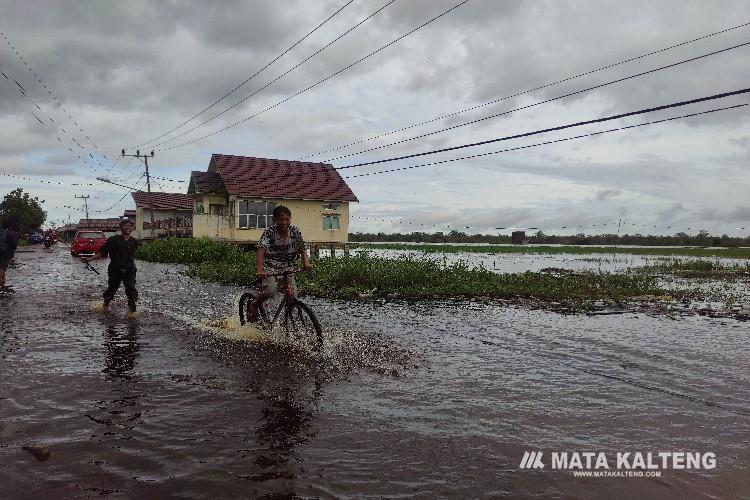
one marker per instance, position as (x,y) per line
(234,198)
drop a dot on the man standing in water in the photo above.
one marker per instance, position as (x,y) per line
(120,249)
(278,249)
(8,244)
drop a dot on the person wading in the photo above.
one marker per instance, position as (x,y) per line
(8,244)
(120,249)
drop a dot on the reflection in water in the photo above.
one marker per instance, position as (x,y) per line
(290,390)
(122,410)
(122,349)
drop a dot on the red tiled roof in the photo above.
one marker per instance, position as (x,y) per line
(98,225)
(129,213)
(268,178)
(206,182)
(164,201)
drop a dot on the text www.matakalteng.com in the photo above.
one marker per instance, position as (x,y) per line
(616,473)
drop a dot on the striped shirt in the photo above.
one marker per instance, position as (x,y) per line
(281,254)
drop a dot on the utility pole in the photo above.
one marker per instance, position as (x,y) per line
(85,203)
(144,159)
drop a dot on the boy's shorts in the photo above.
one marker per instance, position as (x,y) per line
(271,285)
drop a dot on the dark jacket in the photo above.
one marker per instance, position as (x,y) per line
(11,241)
(120,251)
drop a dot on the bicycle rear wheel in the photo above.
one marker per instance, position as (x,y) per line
(303,327)
(244,311)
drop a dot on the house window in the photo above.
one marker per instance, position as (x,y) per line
(331,222)
(215,209)
(255,214)
(330,206)
(199,207)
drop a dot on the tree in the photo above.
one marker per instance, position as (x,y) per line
(22,211)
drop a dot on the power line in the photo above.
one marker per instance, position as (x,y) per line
(246,81)
(478,120)
(43,84)
(540,87)
(319,82)
(518,148)
(46,182)
(50,116)
(553,129)
(123,196)
(54,98)
(278,77)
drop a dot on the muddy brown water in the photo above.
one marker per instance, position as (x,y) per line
(426,400)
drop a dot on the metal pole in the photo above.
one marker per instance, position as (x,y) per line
(148,187)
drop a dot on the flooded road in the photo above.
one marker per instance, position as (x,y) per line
(426,400)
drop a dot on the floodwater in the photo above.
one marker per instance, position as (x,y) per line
(426,400)
(608,261)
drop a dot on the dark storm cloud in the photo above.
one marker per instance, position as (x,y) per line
(130,71)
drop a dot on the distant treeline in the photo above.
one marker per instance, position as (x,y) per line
(702,239)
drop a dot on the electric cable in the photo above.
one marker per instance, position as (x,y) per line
(518,148)
(247,80)
(277,78)
(553,129)
(317,83)
(540,87)
(569,94)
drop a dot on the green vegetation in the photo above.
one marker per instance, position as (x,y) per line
(22,212)
(697,269)
(407,277)
(730,253)
(191,251)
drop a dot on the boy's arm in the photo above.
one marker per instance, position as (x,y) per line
(103,253)
(96,256)
(260,254)
(305,262)
(303,253)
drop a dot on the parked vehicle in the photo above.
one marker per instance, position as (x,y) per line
(87,242)
(35,238)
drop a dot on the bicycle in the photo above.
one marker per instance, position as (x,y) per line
(299,321)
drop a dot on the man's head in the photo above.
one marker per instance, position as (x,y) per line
(282,217)
(126,227)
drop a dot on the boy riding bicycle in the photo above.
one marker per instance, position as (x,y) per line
(278,249)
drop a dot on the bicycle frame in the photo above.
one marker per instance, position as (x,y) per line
(286,301)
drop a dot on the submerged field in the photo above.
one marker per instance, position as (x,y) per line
(364,275)
(729,253)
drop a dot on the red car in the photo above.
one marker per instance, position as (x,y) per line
(87,242)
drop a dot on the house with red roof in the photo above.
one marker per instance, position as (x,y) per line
(235,197)
(160,214)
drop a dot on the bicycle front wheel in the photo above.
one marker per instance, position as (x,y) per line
(303,326)
(244,311)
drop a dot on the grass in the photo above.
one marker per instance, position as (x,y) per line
(730,253)
(699,268)
(406,277)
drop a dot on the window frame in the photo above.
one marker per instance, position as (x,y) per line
(249,208)
(331,218)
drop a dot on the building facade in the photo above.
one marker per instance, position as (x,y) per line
(158,215)
(235,197)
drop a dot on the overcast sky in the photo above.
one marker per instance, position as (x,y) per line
(127,72)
